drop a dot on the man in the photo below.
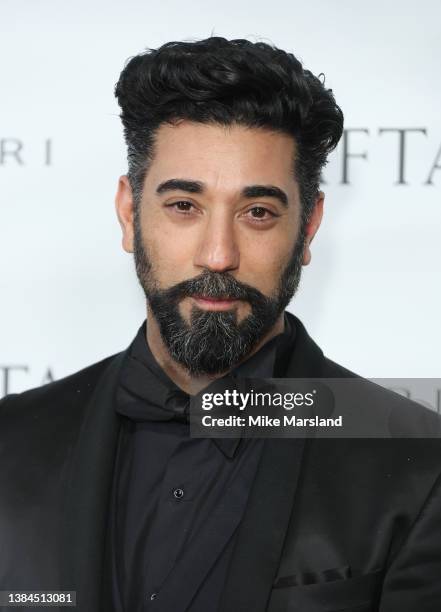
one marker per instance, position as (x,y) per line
(103,490)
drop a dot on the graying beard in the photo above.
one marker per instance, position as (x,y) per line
(183,342)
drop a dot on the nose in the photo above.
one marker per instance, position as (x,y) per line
(218,250)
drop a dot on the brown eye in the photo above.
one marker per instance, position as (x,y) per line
(259,213)
(183,206)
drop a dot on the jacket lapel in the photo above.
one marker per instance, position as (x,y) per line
(259,543)
(87,493)
(307,359)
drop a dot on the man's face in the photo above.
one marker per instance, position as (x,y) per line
(217,240)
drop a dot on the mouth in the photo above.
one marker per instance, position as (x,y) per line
(210,303)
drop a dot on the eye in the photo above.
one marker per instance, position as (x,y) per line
(260,213)
(182,207)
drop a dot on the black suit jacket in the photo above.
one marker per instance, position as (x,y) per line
(331,524)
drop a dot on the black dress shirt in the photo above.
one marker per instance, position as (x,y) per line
(177,501)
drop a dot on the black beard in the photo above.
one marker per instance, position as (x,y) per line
(214,342)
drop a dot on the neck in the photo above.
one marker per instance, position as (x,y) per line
(178,373)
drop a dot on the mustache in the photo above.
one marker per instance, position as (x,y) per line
(215,285)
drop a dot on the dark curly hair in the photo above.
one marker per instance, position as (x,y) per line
(228,82)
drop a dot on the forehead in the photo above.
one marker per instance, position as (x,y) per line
(222,154)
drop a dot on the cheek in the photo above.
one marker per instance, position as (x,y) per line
(263,261)
(170,253)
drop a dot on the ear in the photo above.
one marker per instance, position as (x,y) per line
(125,212)
(313,225)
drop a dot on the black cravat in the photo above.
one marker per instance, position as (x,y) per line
(143,396)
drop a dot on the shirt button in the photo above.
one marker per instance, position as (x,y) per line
(153,596)
(178,493)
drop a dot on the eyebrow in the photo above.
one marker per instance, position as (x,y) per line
(251,191)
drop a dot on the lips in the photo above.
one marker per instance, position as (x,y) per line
(215,299)
(214,303)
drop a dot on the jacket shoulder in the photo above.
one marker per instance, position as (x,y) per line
(396,415)
(331,369)
(67,390)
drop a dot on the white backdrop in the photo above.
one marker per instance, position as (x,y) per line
(372,295)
